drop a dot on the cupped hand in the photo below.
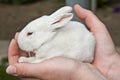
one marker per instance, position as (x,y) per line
(106,57)
(58,68)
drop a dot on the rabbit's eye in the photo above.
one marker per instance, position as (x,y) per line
(29,33)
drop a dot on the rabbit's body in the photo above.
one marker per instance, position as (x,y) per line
(71,40)
(76,43)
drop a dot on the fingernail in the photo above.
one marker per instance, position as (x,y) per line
(16,35)
(11,70)
(78,6)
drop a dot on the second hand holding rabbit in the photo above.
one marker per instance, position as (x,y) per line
(56,35)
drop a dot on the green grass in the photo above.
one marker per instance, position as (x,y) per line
(3,74)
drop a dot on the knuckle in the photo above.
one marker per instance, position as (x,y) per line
(21,70)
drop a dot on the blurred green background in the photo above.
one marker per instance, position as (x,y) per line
(3,74)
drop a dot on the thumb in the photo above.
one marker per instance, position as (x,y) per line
(23,69)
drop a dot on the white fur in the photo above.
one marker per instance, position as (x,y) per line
(56,35)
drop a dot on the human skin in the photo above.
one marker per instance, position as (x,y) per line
(58,68)
(105,66)
(106,57)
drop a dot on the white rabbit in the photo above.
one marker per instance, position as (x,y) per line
(55,35)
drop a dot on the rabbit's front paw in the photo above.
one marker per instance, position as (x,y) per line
(26,59)
(22,59)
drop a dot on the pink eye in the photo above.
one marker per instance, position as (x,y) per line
(29,33)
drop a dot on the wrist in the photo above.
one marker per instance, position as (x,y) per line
(114,70)
(82,72)
(76,73)
(87,71)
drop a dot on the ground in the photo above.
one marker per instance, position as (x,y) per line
(14,17)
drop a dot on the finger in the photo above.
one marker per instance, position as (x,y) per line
(103,39)
(44,70)
(90,19)
(22,53)
(24,70)
(29,79)
(16,35)
(13,52)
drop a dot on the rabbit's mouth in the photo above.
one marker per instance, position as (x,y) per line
(31,54)
(34,51)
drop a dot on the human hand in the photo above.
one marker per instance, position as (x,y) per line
(58,68)
(13,55)
(106,57)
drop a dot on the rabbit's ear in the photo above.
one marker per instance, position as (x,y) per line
(66,9)
(61,20)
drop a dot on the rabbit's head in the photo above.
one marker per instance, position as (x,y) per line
(43,29)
